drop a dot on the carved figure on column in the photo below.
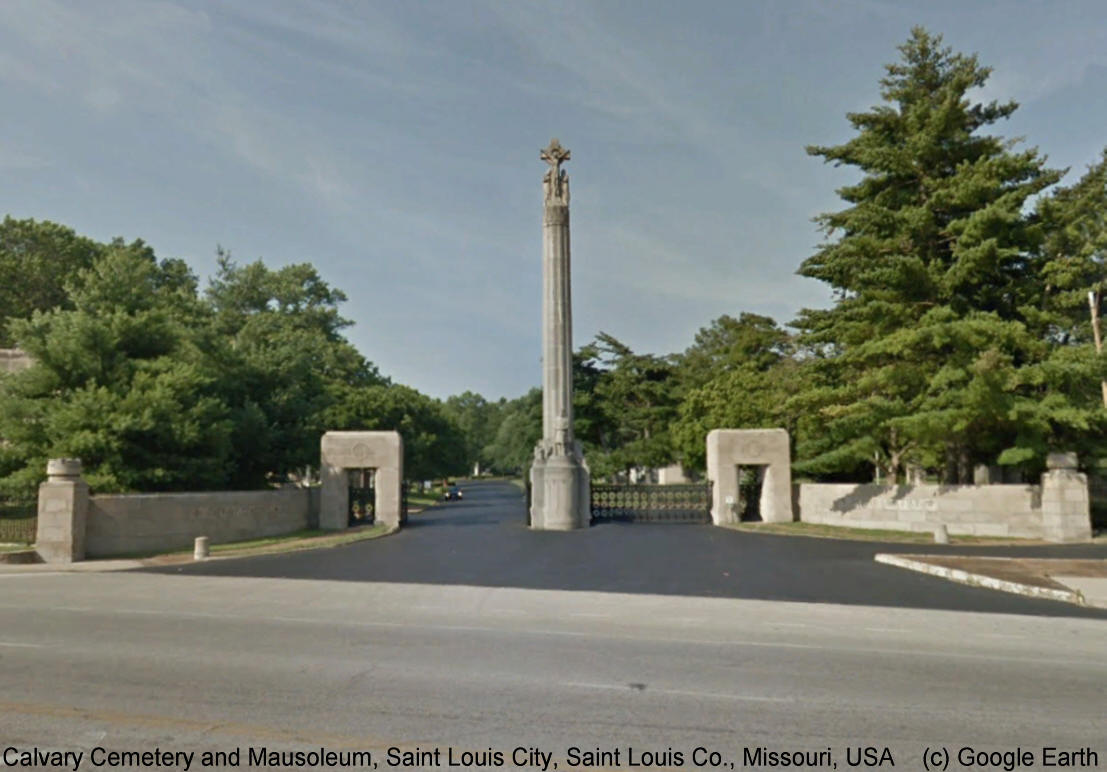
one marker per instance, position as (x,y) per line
(556,181)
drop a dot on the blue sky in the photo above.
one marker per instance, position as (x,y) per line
(395,146)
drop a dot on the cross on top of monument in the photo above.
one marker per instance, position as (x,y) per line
(557,182)
(555,155)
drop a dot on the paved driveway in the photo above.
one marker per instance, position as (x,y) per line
(483,541)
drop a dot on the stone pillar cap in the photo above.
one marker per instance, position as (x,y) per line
(63,467)
(1061,461)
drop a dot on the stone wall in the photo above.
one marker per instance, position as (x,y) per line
(1057,510)
(976,510)
(12,360)
(159,522)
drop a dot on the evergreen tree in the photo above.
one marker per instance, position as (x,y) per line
(121,381)
(36,260)
(932,263)
(629,408)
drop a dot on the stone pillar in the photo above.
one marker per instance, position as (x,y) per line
(1066,509)
(62,512)
(560,480)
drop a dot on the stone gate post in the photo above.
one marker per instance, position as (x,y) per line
(62,512)
(1066,509)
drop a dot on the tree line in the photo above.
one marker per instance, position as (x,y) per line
(965,281)
(158,386)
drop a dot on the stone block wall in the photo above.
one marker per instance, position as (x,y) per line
(1056,511)
(12,360)
(73,525)
(159,522)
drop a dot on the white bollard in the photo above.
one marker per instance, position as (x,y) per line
(200,551)
(941,535)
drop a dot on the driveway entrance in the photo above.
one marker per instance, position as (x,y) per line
(483,541)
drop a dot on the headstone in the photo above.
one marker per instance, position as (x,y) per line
(916,475)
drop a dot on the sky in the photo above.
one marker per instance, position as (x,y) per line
(394,145)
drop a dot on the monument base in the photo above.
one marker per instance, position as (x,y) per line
(560,493)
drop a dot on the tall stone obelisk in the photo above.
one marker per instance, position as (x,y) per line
(560,486)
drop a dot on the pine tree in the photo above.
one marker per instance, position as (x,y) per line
(932,264)
(120,381)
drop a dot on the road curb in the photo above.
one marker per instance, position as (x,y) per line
(980,580)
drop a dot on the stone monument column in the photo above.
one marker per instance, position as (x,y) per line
(560,486)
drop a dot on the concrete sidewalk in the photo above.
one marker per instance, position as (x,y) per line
(1083,582)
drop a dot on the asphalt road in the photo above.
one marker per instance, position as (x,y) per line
(137,661)
(483,541)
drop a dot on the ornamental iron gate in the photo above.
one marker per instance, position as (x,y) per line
(362,496)
(690,503)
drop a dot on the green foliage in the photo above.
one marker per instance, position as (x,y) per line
(625,407)
(434,446)
(478,420)
(118,381)
(750,341)
(36,260)
(737,374)
(933,266)
(519,430)
(1074,254)
(156,388)
(276,335)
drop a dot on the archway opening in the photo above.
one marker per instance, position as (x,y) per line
(751,481)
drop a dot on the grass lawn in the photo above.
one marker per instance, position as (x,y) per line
(424,499)
(300,540)
(306,539)
(820,531)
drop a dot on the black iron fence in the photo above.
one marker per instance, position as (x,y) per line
(689,503)
(18,522)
